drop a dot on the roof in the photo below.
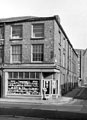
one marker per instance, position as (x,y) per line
(13,19)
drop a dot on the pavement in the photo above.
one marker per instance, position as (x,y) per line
(66,99)
(60,108)
(74,92)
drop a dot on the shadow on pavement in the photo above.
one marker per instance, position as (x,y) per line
(82,94)
(47,114)
(78,93)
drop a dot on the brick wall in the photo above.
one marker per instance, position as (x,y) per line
(26,42)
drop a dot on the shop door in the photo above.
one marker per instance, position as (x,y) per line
(47,85)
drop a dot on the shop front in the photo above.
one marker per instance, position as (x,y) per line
(26,83)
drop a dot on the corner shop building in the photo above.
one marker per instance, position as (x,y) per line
(33,49)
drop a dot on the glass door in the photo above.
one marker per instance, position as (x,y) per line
(47,85)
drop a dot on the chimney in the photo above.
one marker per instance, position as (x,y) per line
(57,18)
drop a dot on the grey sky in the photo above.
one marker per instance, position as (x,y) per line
(73,15)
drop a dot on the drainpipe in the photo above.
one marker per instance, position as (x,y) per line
(80,81)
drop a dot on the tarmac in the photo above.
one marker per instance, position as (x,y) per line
(66,99)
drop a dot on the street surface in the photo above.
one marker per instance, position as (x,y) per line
(20,118)
(76,109)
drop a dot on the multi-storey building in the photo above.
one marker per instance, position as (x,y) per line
(36,55)
(85,66)
(80,53)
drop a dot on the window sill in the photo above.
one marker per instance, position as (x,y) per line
(37,61)
(16,63)
(13,39)
(37,38)
(2,39)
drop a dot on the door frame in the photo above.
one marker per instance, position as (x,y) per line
(44,83)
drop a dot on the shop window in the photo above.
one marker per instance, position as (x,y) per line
(20,74)
(29,75)
(16,31)
(32,74)
(10,74)
(37,75)
(38,30)
(26,74)
(23,86)
(15,74)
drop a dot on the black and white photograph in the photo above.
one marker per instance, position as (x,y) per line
(43,59)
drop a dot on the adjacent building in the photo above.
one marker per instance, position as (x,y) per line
(36,56)
(85,66)
(80,53)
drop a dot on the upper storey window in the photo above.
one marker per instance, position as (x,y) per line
(16,54)
(60,37)
(16,31)
(37,53)
(1,32)
(38,30)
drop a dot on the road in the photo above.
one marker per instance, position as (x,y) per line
(77,109)
(20,118)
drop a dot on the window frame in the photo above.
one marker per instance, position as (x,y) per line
(32,53)
(1,54)
(17,37)
(32,32)
(59,57)
(2,34)
(11,54)
(60,35)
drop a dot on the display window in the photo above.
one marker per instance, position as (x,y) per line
(22,83)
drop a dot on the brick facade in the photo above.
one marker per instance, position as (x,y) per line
(57,70)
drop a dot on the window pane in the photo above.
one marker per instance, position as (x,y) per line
(10,75)
(1,54)
(16,53)
(26,74)
(37,75)
(15,74)
(1,32)
(20,74)
(17,31)
(38,30)
(32,74)
(38,53)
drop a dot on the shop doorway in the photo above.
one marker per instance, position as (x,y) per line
(47,85)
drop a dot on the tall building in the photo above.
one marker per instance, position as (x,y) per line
(85,66)
(36,56)
(80,53)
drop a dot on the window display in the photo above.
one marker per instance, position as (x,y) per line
(28,87)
